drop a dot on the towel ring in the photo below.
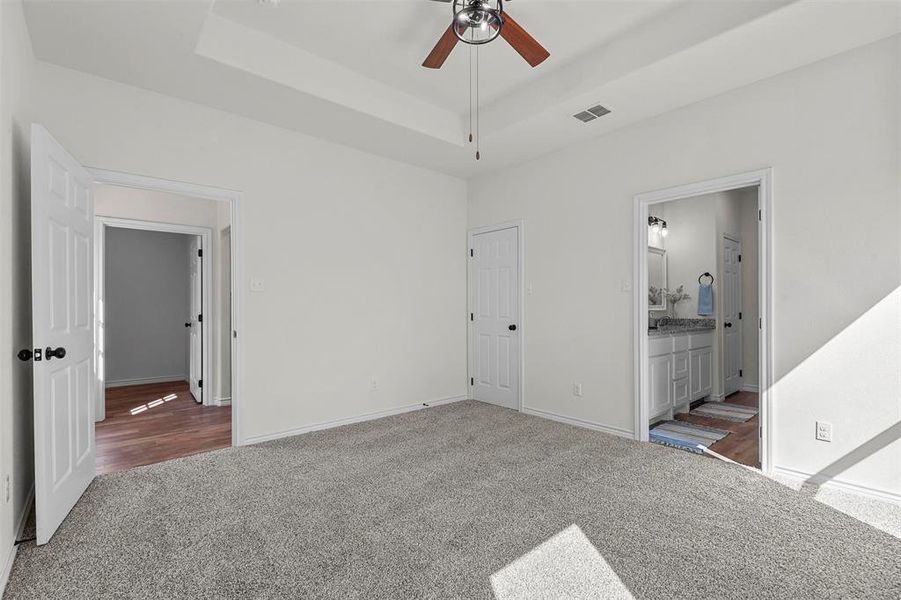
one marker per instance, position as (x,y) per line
(703,275)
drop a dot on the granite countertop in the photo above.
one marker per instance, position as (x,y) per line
(668,326)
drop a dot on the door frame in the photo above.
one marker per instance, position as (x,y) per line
(130,180)
(520,259)
(763,178)
(101,224)
(722,334)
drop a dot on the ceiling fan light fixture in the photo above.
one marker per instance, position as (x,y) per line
(478,21)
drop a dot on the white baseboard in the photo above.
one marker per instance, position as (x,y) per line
(750,388)
(838,484)
(146,380)
(12,551)
(256,439)
(223,401)
(617,431)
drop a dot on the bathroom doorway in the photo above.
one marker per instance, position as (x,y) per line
(700,298)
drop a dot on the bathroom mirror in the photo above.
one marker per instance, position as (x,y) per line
(656,278)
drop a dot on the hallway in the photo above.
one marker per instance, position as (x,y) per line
(147,424)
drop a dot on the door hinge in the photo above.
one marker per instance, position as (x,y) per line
(472,381)
(739,315)
(200,253)
(200,383)
(200,318)
(471,317)
(760,323)
(472,252)
(760,432)
(741,373)
(760,215)
(739,258)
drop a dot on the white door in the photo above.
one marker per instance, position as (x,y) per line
(195,322)
(494,317)
(732,360)
(62,237)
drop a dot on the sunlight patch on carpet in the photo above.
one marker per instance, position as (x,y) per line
(566,566)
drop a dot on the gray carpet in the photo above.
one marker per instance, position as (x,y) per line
(460,501)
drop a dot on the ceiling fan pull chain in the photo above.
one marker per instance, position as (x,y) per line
(470,93)
(478,116)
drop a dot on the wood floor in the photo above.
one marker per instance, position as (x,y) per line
(741,445)
(147,424)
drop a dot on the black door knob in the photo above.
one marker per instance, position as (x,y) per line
(25,354)
(58,353)
(512,327)
(727,324)
(187,324)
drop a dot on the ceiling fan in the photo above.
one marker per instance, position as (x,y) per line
(479,22)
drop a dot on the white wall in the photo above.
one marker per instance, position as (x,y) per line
(146,304)
(163,207)
(830,132)
(362,258)
(16,455)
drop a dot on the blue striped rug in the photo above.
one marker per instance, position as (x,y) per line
(686,436)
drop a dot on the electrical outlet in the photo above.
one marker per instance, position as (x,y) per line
(373,385)
(577,390)
(824,431)
(257,285)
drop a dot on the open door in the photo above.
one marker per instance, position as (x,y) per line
(195,323)
(62,237)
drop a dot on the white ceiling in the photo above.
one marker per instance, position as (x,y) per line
(349,70)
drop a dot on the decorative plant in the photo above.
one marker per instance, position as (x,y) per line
(674,297)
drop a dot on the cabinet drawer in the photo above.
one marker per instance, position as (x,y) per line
(660,345)
(680,391)
(680,365)
(700,340)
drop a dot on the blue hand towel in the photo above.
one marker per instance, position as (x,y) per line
(705,300)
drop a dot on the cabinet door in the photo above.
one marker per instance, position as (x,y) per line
(700,372)
(680,365)
(680,393)
(660,377)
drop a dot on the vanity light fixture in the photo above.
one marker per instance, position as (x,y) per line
(658,225)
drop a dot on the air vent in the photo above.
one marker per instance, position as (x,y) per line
(598,110)
(592,113)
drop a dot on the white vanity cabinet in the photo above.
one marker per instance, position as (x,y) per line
(680,371)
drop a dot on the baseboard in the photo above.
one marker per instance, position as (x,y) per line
(223,401)
(14,550)
(617,431)
(838,484)
(146,380)
(256,439)
(750,388)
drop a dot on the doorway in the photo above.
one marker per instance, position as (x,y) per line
(495,314)
(701,318)
(66,334)
(154,400)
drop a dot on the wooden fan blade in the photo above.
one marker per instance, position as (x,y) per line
(527,46)
(441,50)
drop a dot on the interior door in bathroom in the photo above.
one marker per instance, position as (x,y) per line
(731,312)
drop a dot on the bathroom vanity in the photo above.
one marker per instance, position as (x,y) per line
(680,365)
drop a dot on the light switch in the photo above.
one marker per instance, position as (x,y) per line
(256,285)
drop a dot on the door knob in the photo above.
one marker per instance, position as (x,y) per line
(187,324)
(25,354)
(512,327)
(58,353)
(727,324)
